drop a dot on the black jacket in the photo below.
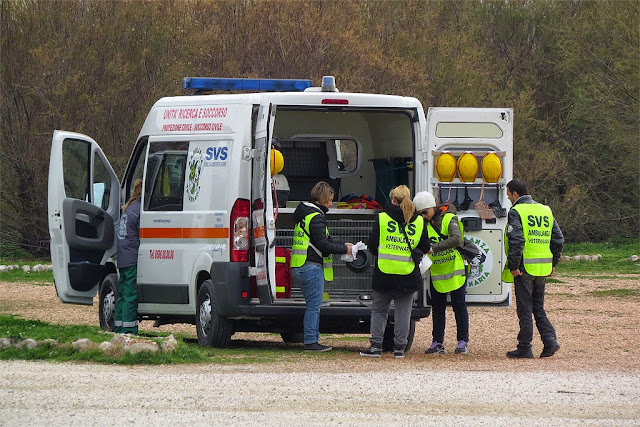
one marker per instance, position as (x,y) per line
(317,233)
(515,237)
(384,282)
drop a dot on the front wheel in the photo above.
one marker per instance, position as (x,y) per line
(292,335)
(387,340)
(107,301)
(213,330)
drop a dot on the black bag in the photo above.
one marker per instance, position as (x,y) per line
(469,251)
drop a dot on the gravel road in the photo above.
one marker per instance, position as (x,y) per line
(39,394)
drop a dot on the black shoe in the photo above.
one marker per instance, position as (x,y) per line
(316,347)
(550,349)
(520,354)
(398,354)
(371,352)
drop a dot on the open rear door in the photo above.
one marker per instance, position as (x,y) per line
(264,224)
(478,131)
(83,210)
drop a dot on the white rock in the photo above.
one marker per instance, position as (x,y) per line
(28,343)
(634,258)
(5,343)
(104,346)
(136,346)
(82,344)
(49,267)
(37,267)
(565,258)
(169,344)
(4,268)
(26,268)
(50,342)
(119,340)
(15,267)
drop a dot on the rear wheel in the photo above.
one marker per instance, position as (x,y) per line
(107,301)
(387,340)
(213,330)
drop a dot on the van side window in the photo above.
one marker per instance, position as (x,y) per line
(166,165)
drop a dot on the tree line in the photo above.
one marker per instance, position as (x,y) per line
(570,70)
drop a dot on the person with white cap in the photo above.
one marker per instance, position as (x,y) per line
(448,272)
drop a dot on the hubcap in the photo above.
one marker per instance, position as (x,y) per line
(109,307)
(205,316)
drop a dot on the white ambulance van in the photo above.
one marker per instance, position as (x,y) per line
(216,228)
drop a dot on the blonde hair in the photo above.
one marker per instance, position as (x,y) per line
(322,193)
(402,194)
(136,193)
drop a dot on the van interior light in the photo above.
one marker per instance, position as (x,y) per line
(201,84)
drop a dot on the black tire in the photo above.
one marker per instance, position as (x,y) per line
(387,340)
(292,336)
(213,330)
(107,301)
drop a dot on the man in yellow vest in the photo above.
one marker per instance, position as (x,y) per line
(535,243)
(311,258)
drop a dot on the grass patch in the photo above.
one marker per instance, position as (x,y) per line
(553,280)
(187,352)
(616,293)
(615,257)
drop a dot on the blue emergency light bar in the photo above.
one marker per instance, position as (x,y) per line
(265,85)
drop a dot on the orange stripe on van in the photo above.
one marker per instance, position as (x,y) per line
(184,233)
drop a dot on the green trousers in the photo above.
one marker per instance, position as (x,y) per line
(126,320)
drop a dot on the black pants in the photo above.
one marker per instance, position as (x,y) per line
(438,308)
(530,300)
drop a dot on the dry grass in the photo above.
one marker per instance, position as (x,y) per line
(596,332)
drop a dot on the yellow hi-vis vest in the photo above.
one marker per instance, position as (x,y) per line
(301,242)
(447,270)
(394,256)
(537,223)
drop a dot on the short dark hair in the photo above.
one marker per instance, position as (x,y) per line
(518,186)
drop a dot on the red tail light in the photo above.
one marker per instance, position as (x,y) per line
(335,101)
(239,235)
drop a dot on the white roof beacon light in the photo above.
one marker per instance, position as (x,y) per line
(329,84)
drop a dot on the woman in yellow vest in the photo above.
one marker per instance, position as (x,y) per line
(448,273)
(397,232)
(311,258)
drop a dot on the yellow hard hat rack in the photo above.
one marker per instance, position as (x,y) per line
(462,180)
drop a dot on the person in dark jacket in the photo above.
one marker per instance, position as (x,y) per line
(311,258)
(126,316)
(396,276)
(534,245)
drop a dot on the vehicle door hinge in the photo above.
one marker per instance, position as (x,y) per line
(271,224)
(248,153)
(425,157)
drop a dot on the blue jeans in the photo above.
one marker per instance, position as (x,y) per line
(310,278)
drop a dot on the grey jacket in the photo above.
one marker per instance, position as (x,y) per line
(454,234)
(515,237)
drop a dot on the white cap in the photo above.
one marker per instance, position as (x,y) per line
(424,200)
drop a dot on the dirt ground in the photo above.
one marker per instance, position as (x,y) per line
(596,332)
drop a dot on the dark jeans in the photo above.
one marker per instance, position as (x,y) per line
(530,300)
(438,312)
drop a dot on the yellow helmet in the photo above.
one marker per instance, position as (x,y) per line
(445,167)
(491,167)
(277,161)
(467,167)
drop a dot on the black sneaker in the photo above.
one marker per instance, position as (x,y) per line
(398,354)
(550,349)
(520,354)
(316,347)
(371,352)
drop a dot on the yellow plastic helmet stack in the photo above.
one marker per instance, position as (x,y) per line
(277,162)
(446,167)
(491,168)
(467,167)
